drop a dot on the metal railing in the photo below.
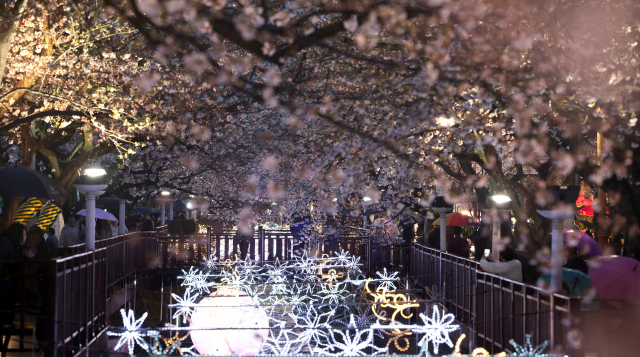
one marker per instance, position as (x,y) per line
(74,294)
(493,309)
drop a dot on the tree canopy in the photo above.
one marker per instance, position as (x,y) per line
(290,103)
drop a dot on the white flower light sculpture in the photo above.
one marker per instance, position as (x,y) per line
(131,335)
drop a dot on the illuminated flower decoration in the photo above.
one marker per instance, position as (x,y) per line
(334,293)
(184,305)
(345,343)
(211,262)
(280,343)
(313,325)
(196,280)
(131,336)
(436,330)
(342,257)
(528,350)
(387,280)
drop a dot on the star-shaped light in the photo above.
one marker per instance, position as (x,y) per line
(437,330)
(528,350)
(184,305)
(131,335)
(387,280)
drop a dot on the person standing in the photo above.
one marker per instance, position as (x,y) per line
(112,229)
(433,238)
(509,267)
(52,243)
(458,245)
(147,223)
(72,233)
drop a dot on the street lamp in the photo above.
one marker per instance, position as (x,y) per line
(93,181)
(500,205)
(441,206)
(166,197)
(563,208)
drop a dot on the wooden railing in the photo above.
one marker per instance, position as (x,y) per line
(493,309)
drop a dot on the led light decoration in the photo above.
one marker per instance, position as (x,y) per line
(184,305)
(437,330)
(360,343)
(228,322)
(396,301)
(388,279)
(132,335)
(302,308)
(528,350)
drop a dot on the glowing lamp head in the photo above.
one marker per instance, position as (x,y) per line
(93,176)
(500,199)
(228,322)
(165,193)
(189,205)
(94,172)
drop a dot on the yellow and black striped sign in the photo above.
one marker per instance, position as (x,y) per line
(48,217)
(27,210)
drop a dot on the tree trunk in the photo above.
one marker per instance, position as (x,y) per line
(9,20)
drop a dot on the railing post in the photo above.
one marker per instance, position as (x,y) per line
(553,322)
(369,254)
(208,242)
(261,243)
(575,308)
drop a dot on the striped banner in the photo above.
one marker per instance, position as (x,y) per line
(48,216)
(27,210)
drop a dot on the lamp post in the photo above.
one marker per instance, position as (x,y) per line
(93,182)
(166,197)
(441,206)
(500,205)
(565,198)
(189,208)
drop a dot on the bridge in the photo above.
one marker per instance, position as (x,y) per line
(79,292)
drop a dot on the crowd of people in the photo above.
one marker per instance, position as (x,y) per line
(511,264)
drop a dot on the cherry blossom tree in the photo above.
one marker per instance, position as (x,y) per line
(68,90)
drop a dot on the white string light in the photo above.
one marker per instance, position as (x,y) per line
(311,308)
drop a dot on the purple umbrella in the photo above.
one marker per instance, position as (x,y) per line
(616,277)
(585,244)
(100,214)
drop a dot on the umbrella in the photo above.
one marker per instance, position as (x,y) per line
(617,278)
(112,204)
(141,210)
(179,206)
(585,244)
(578,282)
(18,181)
(456,219)
(100,214)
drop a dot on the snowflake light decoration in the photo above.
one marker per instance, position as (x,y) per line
(131,336)
(387,280)
(196,280)
(185,305)
(211,263)
(436,330)
(528,350)
(312,325)
(360,343)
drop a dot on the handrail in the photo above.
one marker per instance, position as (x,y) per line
(494,309)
